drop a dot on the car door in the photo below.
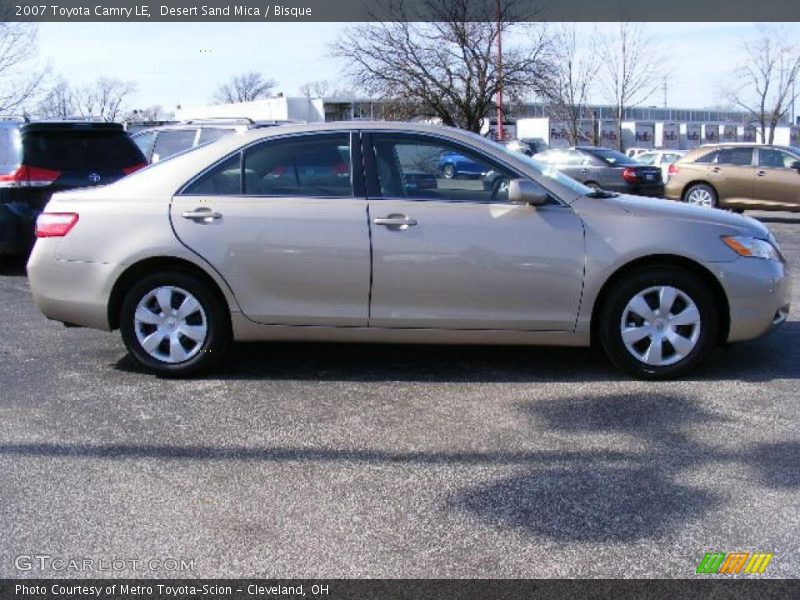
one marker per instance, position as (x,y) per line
(732,175)
(459,256)
(776,184)
(284,221)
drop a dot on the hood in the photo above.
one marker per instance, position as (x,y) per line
(671,209)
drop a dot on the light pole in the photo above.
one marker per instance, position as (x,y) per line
(500,117)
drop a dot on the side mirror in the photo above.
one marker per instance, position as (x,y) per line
(524,191)
(795,165)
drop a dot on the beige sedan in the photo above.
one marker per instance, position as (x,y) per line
(738,176)
(348,232)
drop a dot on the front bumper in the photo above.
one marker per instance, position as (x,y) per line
(759,294)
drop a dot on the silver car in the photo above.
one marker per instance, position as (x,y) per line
(348,232)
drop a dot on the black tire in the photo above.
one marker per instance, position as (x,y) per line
(449,171)
(594,185)
(212,314)
(701,188)
(614,308)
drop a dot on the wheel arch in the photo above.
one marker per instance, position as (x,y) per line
(699,182)
(666,260)
(153,265)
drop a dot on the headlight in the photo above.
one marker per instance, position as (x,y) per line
(752,247)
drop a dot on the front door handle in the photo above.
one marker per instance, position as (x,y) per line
(716,170)
(395,221)
(761,173)
(201,215)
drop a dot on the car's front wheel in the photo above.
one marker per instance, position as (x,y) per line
(659,322)
(701,194)
(174,325)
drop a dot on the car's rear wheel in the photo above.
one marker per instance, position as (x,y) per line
(174,325)
(594,185)
(659,322)
(701,194)
(448,171)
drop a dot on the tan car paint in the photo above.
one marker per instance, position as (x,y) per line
(484,297)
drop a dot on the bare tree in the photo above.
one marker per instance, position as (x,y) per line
(315,89)
(569,83)
(766,79)
(630,69)
(18,81)
(155,112)
(447,66)
(104,98)
(244,88)
(58,102)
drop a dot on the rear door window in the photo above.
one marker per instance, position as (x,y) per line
(80,150)
(740,157)
(307,166)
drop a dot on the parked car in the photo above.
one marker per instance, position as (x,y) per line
(158,143)
(601,168)
(738,177)
(453,164)
(182,269)
(660,158)
(40,158)
(527,146)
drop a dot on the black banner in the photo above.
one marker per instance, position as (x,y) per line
(398,10)
(390,589)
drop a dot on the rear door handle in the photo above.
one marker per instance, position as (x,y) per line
(761,173)
(201,215)
(716,170)
(395,221)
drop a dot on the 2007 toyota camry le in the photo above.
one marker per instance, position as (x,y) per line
(349,232)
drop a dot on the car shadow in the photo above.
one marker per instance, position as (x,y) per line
(641,497)
(776,356)
(778,219)
(13,266)
(617,492)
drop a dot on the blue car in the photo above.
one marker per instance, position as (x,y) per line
(452,165)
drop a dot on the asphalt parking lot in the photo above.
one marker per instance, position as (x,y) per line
(394,461)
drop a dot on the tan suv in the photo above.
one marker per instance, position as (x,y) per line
(738,176)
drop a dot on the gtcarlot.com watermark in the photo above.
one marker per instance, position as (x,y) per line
(65,564)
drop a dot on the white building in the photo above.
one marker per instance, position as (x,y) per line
(280,108)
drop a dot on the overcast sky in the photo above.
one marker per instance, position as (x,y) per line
(182,63)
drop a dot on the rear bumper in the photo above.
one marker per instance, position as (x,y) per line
(759,294)
(70,291)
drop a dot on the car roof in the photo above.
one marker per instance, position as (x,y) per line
(70,126)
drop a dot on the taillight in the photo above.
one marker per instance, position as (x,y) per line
(134,168)
(25,176)
(55,224)
(629,174)
(673,170)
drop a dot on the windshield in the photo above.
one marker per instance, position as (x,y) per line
(647,159)
(547,170)
(612,157)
